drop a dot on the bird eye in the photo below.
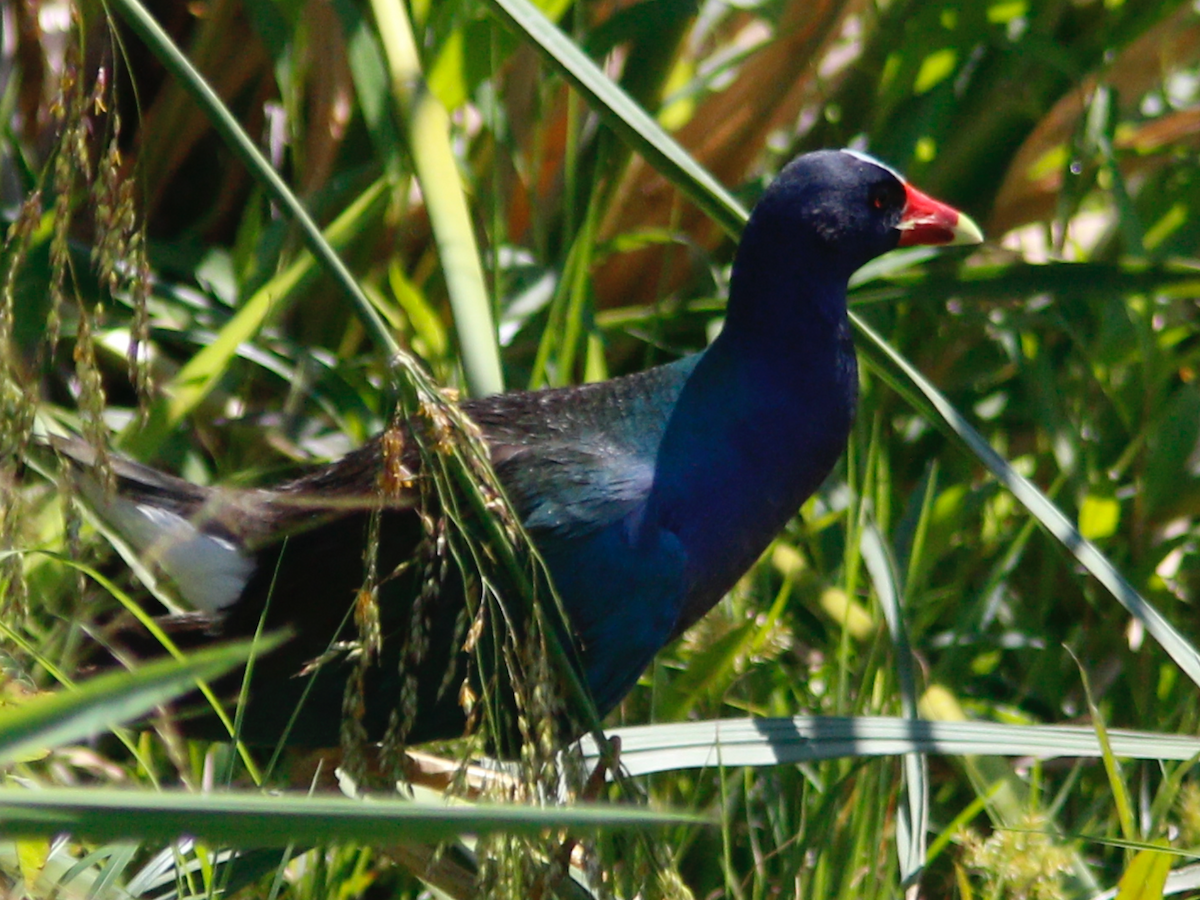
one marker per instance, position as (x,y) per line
(885,197)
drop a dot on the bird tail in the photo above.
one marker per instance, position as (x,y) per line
(163,524)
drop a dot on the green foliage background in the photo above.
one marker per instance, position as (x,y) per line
(479,171)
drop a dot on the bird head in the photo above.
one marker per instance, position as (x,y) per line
(845,208)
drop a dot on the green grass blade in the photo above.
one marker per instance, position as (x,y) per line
(427,127)
(254,820)
(101,703)
(1116,780)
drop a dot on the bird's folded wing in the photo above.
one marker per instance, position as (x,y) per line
(565,491)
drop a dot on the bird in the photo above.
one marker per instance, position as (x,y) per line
(647,495)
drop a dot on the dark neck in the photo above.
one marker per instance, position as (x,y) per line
(759,424)
(784,293)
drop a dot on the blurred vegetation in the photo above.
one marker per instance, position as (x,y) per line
(147,276)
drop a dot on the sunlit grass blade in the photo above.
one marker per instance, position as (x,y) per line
(252,820)
(1146,876)
(769,742)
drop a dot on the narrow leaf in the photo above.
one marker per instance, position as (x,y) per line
(253,820)
(98,705)
(1146,876)
(779,741)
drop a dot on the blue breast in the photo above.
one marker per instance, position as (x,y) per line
(648,496)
